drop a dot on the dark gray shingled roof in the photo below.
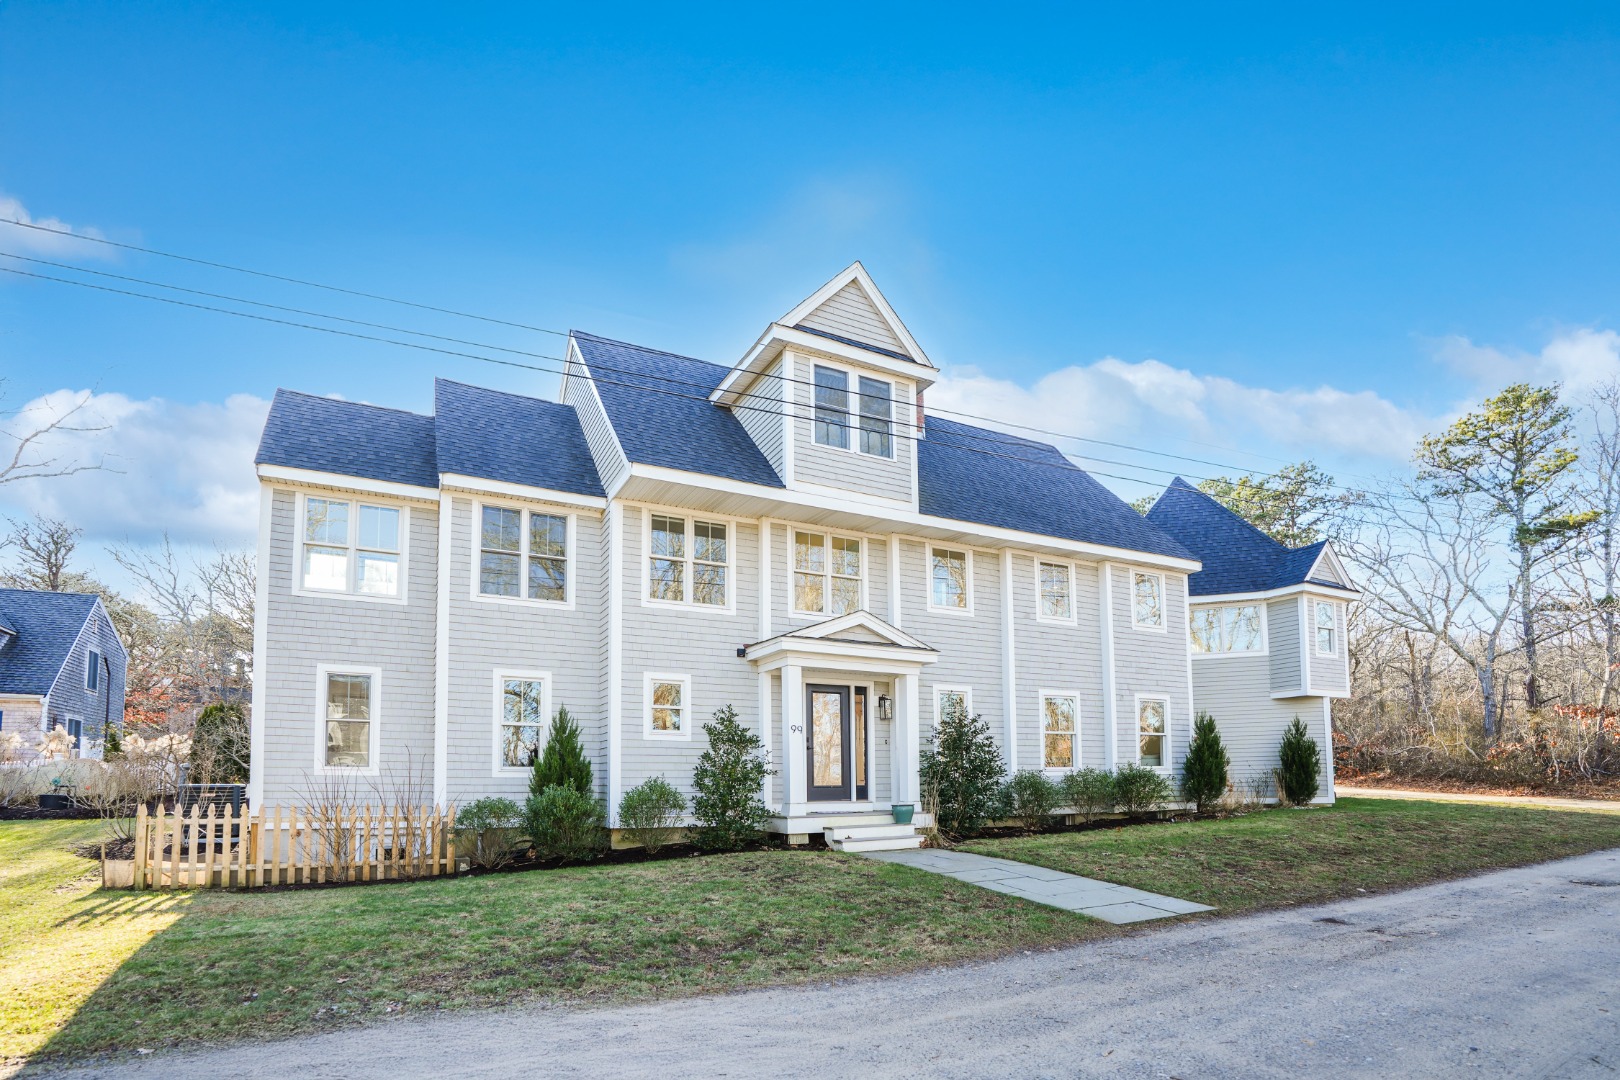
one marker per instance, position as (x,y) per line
(521,440)
(46,625)
(658,404)
(308,432)
(1237,557)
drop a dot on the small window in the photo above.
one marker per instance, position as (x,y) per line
(948,580)
(92,672)
(1152,715)
(832,407)
(952,701)
(1327,628)
(877,415)
(1228,628)
(669,707)
(349,709)
(522,720)
(521,562)
(676,558)
(1147,600)
(826,573)
(351,548)
(1060,716)
(1056,583)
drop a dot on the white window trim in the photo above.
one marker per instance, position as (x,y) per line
(1164,602)
(689,716)
(1265,632)
(321,687)
(1041,616)
(1136,732)
(1075,696)
(92,671)
(690,517)
(928,578)
(941,690)
(498,766)
(827,575)
(1316,639)
(354,501)
(475,527)
(852,388)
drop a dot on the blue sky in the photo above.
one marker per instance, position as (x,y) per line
(1252,234)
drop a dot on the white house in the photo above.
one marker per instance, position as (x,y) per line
(792,535)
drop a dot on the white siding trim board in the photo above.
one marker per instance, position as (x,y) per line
(441,655)
(261,651)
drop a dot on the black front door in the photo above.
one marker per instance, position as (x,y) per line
(827,741)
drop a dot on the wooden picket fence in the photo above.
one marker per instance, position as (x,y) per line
(219,847)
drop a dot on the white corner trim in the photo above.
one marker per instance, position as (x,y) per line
(614,522)
(441,654)
(1009,660)
(895,593)
(1105,594)
(767,528)
(261,649)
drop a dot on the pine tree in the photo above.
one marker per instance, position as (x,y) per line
(563,762)
(1300,767)
(1203,774)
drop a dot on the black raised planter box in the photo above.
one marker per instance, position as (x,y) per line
(56,802)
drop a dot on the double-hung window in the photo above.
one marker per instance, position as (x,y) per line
(688,560)
(1060,731)
(523,554)
(952,701)
(521,718)
(1327,628)
(351,547)
(1227,628)
(669,707)
(1147,600)
(349,718)
(1152,732)
(1056,584)
(873,419)
(948,580)
(826,573)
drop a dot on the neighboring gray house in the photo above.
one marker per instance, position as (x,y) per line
(61,666)
(793,536)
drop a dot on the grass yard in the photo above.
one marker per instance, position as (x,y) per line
(84,971)
(1279,857)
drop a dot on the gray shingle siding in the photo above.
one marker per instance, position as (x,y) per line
(1282,636)
(611,465)
(1251,724)
(1057,657)
(71,699)
(847,470)
(1151,663)
(1329,674)
(763,414)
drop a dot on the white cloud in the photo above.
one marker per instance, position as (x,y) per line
(184,470)
(45,243)
(1579,359)
(1154,405)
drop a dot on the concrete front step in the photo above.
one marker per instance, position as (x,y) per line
(877,830)
(883,843)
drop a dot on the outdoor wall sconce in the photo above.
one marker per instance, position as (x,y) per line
(885,708)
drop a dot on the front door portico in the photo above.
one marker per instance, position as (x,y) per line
(841,694)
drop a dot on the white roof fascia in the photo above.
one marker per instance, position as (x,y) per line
(318,478)
(855,272)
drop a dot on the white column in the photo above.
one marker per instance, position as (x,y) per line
(904,746)
(795,793)
(766,722)
(765,575)
(614,521)
(895,599)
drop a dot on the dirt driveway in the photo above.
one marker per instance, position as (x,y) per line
(1512,974)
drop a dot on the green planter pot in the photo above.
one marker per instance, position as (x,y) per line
(903,812)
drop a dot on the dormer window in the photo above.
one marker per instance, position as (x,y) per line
(872,420)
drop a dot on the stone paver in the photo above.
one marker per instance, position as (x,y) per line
(1088,896)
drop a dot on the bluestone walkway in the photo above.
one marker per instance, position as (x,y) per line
(1088,896)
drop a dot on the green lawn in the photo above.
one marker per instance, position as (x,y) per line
(84,971)
(1282,857)
(103,971)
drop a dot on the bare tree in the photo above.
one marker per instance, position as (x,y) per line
(46,546)
(1435,569)
(1602,576)
(28,458)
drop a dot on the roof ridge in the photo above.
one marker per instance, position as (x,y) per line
(647,349)
(346,401)
(437,379)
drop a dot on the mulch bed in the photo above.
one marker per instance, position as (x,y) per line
(34,813)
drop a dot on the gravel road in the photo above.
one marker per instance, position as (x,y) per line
(1512,974)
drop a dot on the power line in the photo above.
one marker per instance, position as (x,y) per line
(523,326)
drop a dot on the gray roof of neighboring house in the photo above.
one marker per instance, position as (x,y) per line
(45,624)
(1237,557)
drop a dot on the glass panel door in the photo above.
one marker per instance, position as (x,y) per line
(828,741)
(861,770)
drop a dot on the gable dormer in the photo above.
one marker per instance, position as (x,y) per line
(832,392)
